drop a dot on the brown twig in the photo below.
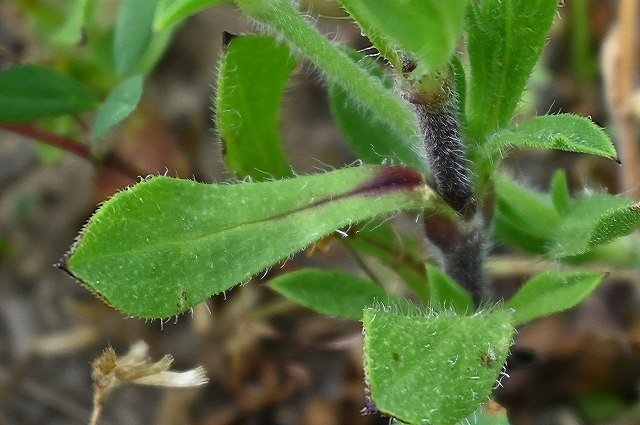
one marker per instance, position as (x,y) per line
(71,146)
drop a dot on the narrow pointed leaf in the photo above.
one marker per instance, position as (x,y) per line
(373,141)
(551,292)
(447,294)
(118,105)
(332,292)
(30,92)
(417,364)
(251,81)
(565,132)
(167,244)
(505,39)
(173,12)
(594,221)
(133,33)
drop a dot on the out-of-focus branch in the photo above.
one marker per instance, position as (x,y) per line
(620,71)
(69,145)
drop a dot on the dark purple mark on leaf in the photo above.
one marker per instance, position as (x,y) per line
(391,179)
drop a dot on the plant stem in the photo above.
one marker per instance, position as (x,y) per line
(281,16)
(69,145)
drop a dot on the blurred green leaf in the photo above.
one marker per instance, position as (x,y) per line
(332,292)
(433,369)
(594,221)
(72,31)
(505,39)
(29,92)
(166,245)
(446,293)
(429,30)
(565,132)
(251,81)
(118,105)
(173,12)
(551,292)
(133,33)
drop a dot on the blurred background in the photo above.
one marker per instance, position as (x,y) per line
(271,362)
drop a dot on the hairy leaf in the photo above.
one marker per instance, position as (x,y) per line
(133,33)
(429,30)
(373,141)
(565,132)
(551,292)
(332,292)
(417,364)
(505,38)
(29,92)
(251,82)
(118,105)
(173,12)
(594,221)
(167,244)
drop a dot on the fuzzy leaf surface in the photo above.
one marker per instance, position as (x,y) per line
(167,244)
(551,292)
(565,132)
(133,33)
(505,39)
(417,364)
(594,221)
(331,292)
(403,22)
(29,92)
(173,12)
(251,81)
(373,140)
(118,105)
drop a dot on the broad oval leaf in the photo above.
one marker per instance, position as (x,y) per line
(373,141)
(29,92)
(251,81)
(594,221)
(133,33)
(552,292)
(429,30)
(433,369)
(332,292)
(173,12)
(118,105)
(167,244)
(565,132)
(505,39)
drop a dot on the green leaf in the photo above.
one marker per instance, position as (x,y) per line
(166,245)
(505,39)
(251,82)
(373,141)
(133,33)
(565,132)
(173,12)
(594,221)
(397,251)
(331,292)
(433,369)
(30,92)
(551,292)
(71,32)
(335,64)
(560,192)
(446,293)
(118,105)
(429,30)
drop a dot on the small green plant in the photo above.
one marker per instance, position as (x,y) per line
(432,130)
